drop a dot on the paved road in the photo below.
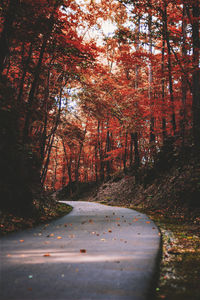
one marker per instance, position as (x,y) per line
(95,252)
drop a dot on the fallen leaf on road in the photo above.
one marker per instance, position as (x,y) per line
(91,221)
(71,236)
(148,222)
(52,234)
(103,240)
(46,254)
(118,224)
(59,237)
(30,289)
(109,230)
(21,241)
(83,251)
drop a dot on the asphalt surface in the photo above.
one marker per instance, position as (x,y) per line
(95,252)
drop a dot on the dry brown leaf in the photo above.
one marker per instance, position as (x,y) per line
(83,251)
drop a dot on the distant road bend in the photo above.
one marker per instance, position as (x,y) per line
(95,252)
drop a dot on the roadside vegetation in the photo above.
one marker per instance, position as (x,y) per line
(43,213)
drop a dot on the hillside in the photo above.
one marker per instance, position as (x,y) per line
(171,185)
(169,193)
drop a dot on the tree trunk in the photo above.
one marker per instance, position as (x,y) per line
(125,152)
(195,75)
(183,82)
(171,89)
(100,151)
(21,86)
(96,163)
(164,132)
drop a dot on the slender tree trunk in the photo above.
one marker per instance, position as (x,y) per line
(108,148)
(196,74)
(21,86)
(183,81)
(100,151)
(96,163)
(171,89)
(134,136)
(152,120)
(136,150)
(63,173)
(79,158)
(69,167)
(55,168)
(125,152)
(164,132)
(137,48)
(131,151)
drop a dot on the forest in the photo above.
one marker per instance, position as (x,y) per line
(80,102)
(102,97)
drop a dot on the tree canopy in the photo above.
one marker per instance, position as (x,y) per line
(79,103)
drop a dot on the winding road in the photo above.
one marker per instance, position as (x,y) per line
(95,252)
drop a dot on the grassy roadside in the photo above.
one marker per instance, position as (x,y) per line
(179,273)
(49,211)
(180,264)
